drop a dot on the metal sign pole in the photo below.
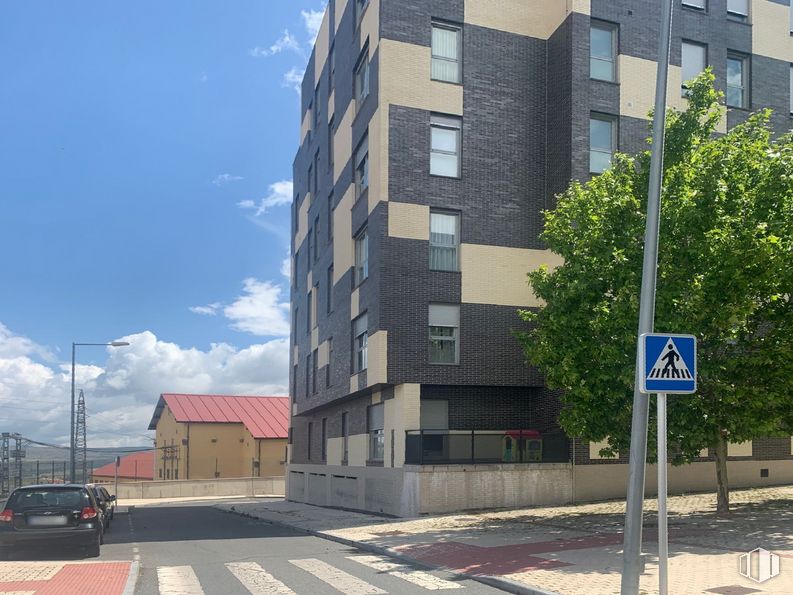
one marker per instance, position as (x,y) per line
(632,546)
(663,533)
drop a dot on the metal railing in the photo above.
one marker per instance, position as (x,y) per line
(460,447)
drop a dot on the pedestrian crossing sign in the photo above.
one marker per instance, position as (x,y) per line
(668,363)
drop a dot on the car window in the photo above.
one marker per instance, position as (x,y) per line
(29,499)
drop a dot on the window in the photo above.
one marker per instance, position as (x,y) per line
(329,295)
(445,146)
(316,238)
(738,10)
(310,432)
(310,177)
(375,423)
(444,241)
(345,438)
(361,257)
(308,375)
(361,78)
(698,4)
(294,383)
(313,305)
(693,60)
(791,89)
(330,361)
(360,6)
(737,78)
(308,311)
(314,362)
(360,333)
(603,51)
(790,18)
(602,142)
(444,330)
(315,180)
(317,110)
(446,53)
(362,167)
(330,217)
(324,442)
(331,67)
(331,156)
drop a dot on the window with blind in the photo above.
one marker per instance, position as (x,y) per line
(737,78)
(694,58)
(362,167)
(603,51)
(445,145)
(446,53)
(376,423)
(444,329)
(738,10)
(361,257)
(444,241)
(602,142)
(361,76)
(360,334)
(698,4)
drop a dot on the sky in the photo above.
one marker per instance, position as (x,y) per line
(145,181)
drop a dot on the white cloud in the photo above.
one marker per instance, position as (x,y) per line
(287,41)
(280,193)
(260,310)
(121,393)
(225,179)
(294,79)
(286,266)
(312,20)
(208,310)
(203,78)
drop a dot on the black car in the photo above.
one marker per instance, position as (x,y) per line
(47,515)
(106,502)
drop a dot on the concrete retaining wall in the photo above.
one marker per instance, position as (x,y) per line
(196,488)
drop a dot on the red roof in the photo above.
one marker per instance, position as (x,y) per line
(139,465)
(264,417)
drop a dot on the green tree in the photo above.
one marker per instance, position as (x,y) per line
(725,274)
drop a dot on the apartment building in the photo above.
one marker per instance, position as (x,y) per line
(433,135)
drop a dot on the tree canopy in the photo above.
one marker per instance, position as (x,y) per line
(725,275)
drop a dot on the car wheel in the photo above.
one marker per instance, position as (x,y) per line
(92,551)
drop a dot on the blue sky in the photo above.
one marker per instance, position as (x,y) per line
(146,154)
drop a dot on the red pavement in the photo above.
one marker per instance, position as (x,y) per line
(100,578)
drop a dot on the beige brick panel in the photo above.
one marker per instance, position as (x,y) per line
(408,221)
(739,449)
(534,18)
(354,383)
(377,367)
(595,448)
(497,275)
(334,451)
(295,354)
(358,445)
(323,355)
(771,30)
(637,88)
(310,284)
(378,158)
(331,104)
(314,338)
(409,62)
(342,142)
(302,221)
(321,47)
(401,414)
(355,308)
(370,25)
(341,6)
(342,235)
(377,397)
(305,126)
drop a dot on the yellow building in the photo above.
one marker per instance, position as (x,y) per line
(210,436)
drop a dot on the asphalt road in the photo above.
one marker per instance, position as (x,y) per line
(191,549)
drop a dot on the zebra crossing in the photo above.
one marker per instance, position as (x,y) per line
(256,580)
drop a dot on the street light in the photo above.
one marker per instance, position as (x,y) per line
(72,461)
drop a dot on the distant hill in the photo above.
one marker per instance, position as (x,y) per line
(98,456)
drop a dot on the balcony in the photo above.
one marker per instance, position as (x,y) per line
(465,447)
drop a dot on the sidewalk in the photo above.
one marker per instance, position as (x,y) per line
(571,550)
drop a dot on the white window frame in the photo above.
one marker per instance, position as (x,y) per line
(437,246)
(458,78)
(444,316)
(745,74)
(361,247)
(362,167)
(614,136)
(613,30)
(360,339)
(361,77)
(455,124)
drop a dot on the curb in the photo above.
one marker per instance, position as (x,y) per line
(503,584)
(132,579)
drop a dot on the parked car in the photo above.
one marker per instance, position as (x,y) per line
(65,515)
(106,502)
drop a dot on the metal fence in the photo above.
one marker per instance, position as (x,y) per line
(32,472)
(458,447)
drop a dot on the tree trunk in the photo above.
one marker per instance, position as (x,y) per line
(722,483)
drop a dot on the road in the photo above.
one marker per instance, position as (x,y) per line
(194,549)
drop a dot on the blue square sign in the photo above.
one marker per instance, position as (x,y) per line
(668,363)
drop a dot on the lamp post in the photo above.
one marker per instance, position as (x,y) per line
(71,427)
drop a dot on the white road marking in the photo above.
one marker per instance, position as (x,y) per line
(257,580)
(417,577)
(338,579)
(178,580)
